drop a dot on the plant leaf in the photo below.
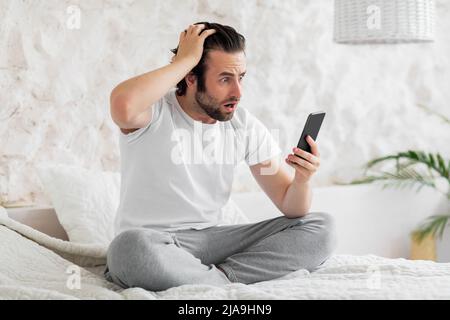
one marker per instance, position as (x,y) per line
(434,225)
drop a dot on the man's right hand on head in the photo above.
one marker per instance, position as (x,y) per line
(190,46)
(132,100)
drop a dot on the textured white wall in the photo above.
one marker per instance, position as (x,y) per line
(55,81)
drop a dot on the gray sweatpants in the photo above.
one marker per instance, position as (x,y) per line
(246,253)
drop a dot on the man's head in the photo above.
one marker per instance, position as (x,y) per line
(216,80)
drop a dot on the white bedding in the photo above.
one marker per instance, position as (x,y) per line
(34,265)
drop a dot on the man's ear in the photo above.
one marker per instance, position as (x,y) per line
(191,79)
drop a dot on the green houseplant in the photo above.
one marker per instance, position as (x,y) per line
(415,168)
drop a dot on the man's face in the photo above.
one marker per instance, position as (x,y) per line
(223,84)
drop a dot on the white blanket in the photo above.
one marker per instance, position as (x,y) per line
(34,265)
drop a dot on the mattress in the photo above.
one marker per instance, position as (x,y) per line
(34,265)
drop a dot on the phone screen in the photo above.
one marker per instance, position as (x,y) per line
(311,128)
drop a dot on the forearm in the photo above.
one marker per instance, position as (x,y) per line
(141,92)
(297,200)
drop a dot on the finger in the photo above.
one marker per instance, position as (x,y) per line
(305,155)
(200,25)
(293,165)
(190,29)
(208,32)
(198,28)
(313,144)
(297,167)
(305,164)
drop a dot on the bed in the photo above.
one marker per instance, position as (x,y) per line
(38,262)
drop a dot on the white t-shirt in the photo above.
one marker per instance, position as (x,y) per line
(177,173)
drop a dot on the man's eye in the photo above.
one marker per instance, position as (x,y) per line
(227,79)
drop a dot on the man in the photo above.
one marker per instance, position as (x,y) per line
(168,223)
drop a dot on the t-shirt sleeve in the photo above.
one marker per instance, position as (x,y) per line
(156,115)
(260,144)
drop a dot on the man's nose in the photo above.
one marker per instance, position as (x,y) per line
(237,90)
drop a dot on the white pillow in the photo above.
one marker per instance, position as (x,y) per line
(3,212)
(85,201)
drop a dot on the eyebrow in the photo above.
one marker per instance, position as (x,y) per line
(225,73)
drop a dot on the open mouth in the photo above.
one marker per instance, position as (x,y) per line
(230,106)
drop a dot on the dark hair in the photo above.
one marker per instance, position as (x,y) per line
(225,38)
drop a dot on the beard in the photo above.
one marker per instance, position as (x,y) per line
(212,106)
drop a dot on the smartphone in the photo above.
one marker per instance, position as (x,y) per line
(311,128)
